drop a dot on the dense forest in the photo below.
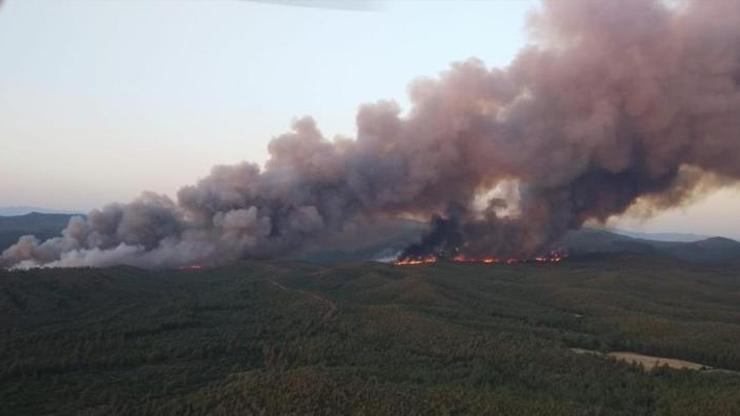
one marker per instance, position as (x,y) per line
(281,338)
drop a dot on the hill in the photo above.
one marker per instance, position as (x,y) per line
(680,237)
(373,339)
(593,241)
(41,225)
(711,250)
(23,210)
(384,240)
(389,241)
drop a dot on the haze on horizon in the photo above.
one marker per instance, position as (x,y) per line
(97,97)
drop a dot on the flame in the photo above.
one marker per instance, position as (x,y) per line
(461,258)
(192,267)
(409,261)
(553,257)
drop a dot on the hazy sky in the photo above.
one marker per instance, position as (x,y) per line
(100,100)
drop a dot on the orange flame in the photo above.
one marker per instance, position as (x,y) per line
(461,258)
(192,267)
(553,257)
(416,260)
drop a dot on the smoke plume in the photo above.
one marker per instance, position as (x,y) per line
(612,103)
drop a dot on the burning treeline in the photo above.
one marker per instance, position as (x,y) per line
(555,256)
(613,103)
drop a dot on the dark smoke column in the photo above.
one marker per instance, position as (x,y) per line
(613,103)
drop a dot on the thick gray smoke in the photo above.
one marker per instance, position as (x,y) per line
(613,102)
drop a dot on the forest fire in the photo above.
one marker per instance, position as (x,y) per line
(460,258)
(413,261)
(553,257)
(192,267)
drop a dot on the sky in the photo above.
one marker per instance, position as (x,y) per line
(100,100)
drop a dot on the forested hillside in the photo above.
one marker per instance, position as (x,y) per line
(296,338)
(41,225)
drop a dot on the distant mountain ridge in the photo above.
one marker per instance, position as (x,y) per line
(41,225)
(585,241)
(597,241)
(13,211)
(661,236)
(387,240)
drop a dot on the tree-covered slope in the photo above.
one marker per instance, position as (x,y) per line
(368,338)
(41,225)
